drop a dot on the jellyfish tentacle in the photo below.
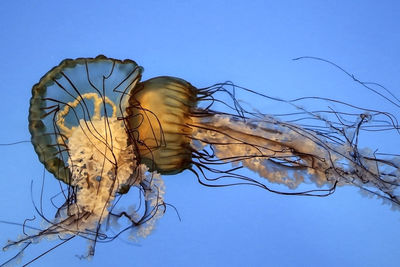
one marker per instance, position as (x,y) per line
(285,153)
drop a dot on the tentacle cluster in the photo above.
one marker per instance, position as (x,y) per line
(103,133)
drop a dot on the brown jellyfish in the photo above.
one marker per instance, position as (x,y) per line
(101,131)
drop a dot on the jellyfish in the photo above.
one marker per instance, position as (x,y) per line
(102,132)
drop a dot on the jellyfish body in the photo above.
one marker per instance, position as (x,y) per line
(101,131)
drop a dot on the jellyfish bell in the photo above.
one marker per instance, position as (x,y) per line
(101,131)
(160,114)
